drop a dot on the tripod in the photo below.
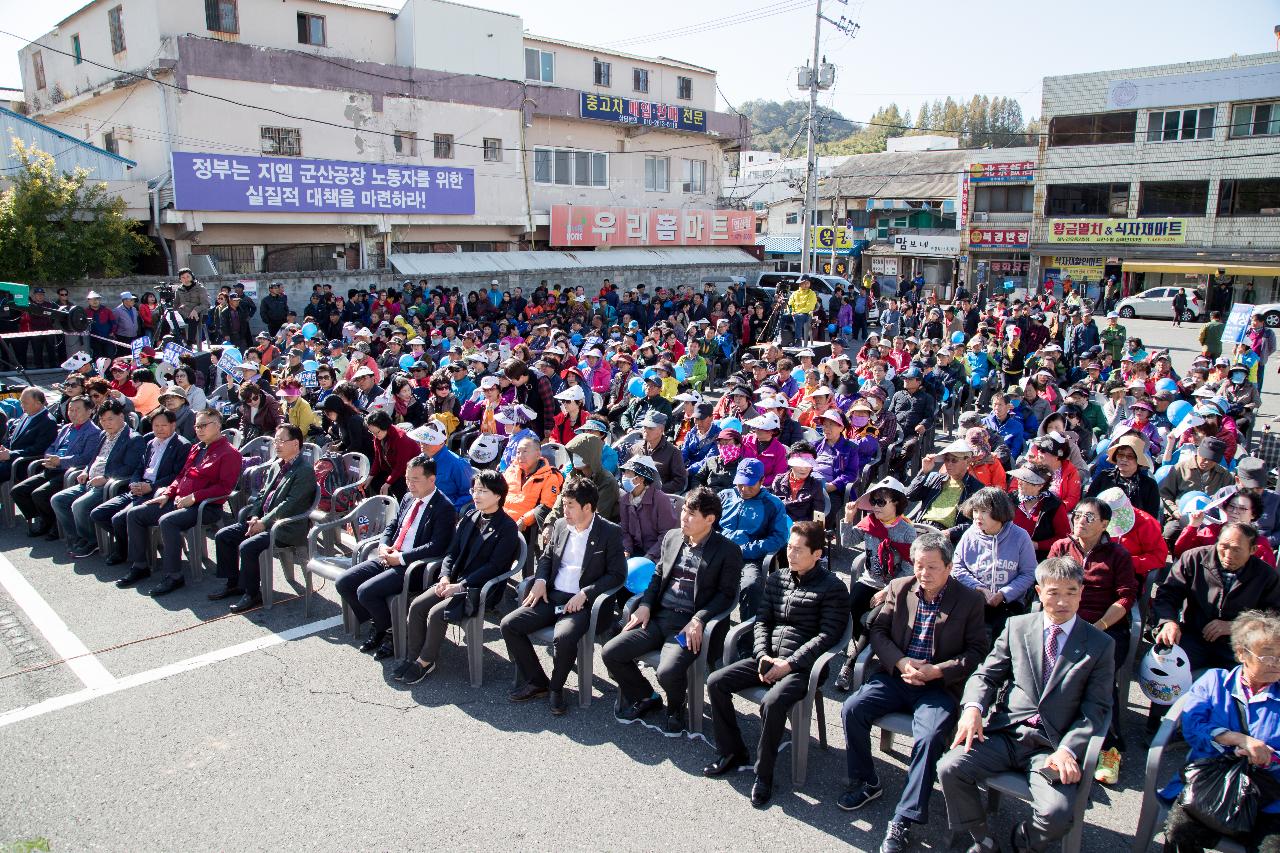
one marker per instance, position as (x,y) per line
(9,360)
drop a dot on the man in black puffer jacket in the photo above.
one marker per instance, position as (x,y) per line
(804,612)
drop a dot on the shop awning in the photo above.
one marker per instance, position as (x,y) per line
(1202,268)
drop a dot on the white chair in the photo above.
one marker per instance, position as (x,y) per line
(586,646)
(374,514)
(473,626)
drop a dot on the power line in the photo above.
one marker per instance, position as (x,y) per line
(744,17)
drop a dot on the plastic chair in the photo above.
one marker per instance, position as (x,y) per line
(113,489)
(290,555)
(234,436)
(586,646)
(806,709)
(263,446)
(8,511)
(376,511)
(473,626)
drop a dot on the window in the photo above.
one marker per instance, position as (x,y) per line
(684,87)
(282,141)
(37,65)
(858,218)
(793,218)
(1096,129)
(570,168)
(115,23)
(604,73)
(492,150)
(1252,197)
(221,16)
(110,143)
(1086,200)
(655,174)
(639,80)
(311,29)
(539,65)
(443,144)
(406,143)
(1172,125)
(1173,198)
(233,259)
(76,56)
(296,258)
(1255,120)
(1003,199)
(695,176)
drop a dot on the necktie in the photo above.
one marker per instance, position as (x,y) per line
(1049,661)
(408,525)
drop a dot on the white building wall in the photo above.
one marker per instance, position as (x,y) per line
(575,69)
(459,39)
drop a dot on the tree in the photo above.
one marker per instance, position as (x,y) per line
(774,125)
(886,122)
(61,226)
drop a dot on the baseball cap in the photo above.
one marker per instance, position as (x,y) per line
(653,419)
(1252,472)
(749,472)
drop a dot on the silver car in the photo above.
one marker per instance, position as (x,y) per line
(1157,303)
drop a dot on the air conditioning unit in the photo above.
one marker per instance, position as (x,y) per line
(980,217)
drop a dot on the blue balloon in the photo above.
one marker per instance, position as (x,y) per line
(1167,384)
(1178,410)
(444,361)
(797,374)
(406,361)
(957,337)
(636,387)
(1190,502)
(311,365)
(831,329)
(1163,472)
(445,344)
(639,572)
(575,339)
(309,330)
(680,373)
(1101,448)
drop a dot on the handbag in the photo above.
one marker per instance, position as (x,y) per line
(1226,793)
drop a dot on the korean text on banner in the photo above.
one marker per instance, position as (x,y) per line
(230,364)
(587,225)
(307,379)
(1132,231)
(139,345)
(172,353)
(1237,325)
(644,113)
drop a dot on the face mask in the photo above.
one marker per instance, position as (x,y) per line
(628,485)
(859,420)
(1237,378)
(577,461)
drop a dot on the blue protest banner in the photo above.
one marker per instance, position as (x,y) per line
(1237,323)
(172,353)
(139,345)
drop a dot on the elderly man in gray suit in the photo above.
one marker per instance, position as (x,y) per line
(1058,670)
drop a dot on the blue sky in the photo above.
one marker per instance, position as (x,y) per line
(903,52)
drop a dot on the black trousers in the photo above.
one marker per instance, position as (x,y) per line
(620,655)
(237,555)
(365,587)
(777,703)
(569,628)
(110,515)
(1185,834)
(33,495)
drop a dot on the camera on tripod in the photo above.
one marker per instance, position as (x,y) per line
(16,299)
(165,294)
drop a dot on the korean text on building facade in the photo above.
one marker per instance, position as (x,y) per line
(1138,231)
(646,113)
(927,245)
(587,225)
(1009,267)
(995,173)
(999,237)
(245,183)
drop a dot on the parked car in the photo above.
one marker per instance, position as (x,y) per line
(1157,303)
(1270,312)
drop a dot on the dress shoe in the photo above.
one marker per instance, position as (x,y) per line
(226,592)
(675,725)
(527,693)
(761,793)
(1018,838)
(135,576)
(248,602)
(374,641)
(114,559)
(36,528)
(85,550)
(167,586)
(637,710)
(558,706)
(725,764)
(386,650)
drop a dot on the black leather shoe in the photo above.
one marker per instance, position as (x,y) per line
(248,602)
(761,794)
(226,592)
(1018,838)
(167,586)
(374,641)
(527,693)
(558,706)
(725,764)
(36,529)
(114,559)
(386,650)
(135,576)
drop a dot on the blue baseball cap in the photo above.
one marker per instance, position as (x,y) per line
(911,373)
(749,473)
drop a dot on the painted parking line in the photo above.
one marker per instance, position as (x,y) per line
(65,644)
(159,673)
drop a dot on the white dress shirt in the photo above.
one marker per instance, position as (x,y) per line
(157,453)
(569,577)
(410,538)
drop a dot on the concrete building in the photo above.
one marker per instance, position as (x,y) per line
(758,181)
(1167,175)
(279,135)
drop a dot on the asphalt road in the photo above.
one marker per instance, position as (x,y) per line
(220,735)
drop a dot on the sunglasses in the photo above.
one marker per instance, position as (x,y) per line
(1086,517)
(877,502)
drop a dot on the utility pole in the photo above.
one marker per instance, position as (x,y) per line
(811,148)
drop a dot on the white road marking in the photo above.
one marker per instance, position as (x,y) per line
(159,673)
(64,643)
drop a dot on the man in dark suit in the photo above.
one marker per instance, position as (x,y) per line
(1045,690)
(289,491)
(421,530)
(585,559)
(73,448)
(27,436)
(118,456)
(804,612)
(161,463)
(697,577)
(929,637)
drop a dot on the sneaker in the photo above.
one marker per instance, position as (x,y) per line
(897,839)
(858,796)
(637,710)
(86,549)
(1108,772)
(844,680)
(675,726)
(416,672)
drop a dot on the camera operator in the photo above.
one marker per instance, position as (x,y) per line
(42,348)
(191,301)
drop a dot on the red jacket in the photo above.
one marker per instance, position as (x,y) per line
(1108,575)
(214,476)
(1068,491)
(563,432)
(391,455)
(1145,544)
(1197,537)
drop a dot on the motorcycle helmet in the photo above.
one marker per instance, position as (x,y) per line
(1164,674)
(485,449)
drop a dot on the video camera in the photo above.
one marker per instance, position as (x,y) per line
(16,299)
(165,294)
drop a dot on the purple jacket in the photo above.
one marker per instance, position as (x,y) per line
(839,464)
(644,525)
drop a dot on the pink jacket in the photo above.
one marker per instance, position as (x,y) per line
(774,456)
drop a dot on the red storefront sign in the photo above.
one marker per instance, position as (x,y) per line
(1001,172)
(587,225)
(999,237)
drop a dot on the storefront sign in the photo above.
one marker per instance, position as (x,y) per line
(1009,267)
(587,225)
(884,266)
(933,246)
(646,113)
(1139,231)
(828,237)
(243,183)
(980,237)
(1079,269)
(1002,173)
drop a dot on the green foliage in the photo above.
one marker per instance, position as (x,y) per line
(774,125)
(982,122)
(27,845)
(61,226)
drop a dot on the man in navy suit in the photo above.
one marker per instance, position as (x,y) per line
(28,436)
(422,530)
(118,456)
(161,463)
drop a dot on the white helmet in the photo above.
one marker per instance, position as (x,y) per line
(1164,674)
(485,449)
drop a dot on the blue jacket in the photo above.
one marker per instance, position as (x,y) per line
(694,449)
(77,447)
(1011,430)
(453,477)
(125,460)
(759,526)
(979,366)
